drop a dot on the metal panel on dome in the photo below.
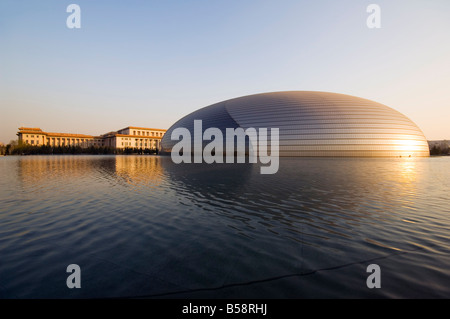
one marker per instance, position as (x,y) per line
(211,116)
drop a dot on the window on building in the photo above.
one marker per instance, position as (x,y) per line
(134,132)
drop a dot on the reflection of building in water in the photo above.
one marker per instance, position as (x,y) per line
(43,169)
(132,137)
(139,169)
(131,169)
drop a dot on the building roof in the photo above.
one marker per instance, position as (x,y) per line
(37,129)
(68,135)
(138,136)
(143,128)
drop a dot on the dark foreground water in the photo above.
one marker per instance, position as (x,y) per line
(141,226)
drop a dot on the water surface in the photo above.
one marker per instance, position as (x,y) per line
(141,226)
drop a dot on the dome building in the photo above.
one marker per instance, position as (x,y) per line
(314,124)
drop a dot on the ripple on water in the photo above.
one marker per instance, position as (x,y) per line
(143,226)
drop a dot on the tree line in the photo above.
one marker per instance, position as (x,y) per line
(16,148)
(440,150)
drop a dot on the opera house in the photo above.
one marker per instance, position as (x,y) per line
(315,124)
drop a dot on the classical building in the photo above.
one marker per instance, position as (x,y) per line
(131,137)
(135,137)
(313,124)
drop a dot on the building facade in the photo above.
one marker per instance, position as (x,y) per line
(135,137)
(314,124)
(129,137)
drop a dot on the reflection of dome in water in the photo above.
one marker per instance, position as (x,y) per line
(315,124)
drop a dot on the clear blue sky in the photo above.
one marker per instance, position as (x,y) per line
(148,63)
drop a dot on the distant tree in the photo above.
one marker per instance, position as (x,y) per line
(445,149)
(2,149)
(435,150)
(11,146)
(20,148)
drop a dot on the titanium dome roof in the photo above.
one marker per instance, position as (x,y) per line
(315,124)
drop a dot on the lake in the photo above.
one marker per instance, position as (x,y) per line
(142,226)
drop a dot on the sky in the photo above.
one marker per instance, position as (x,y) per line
(149,63)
